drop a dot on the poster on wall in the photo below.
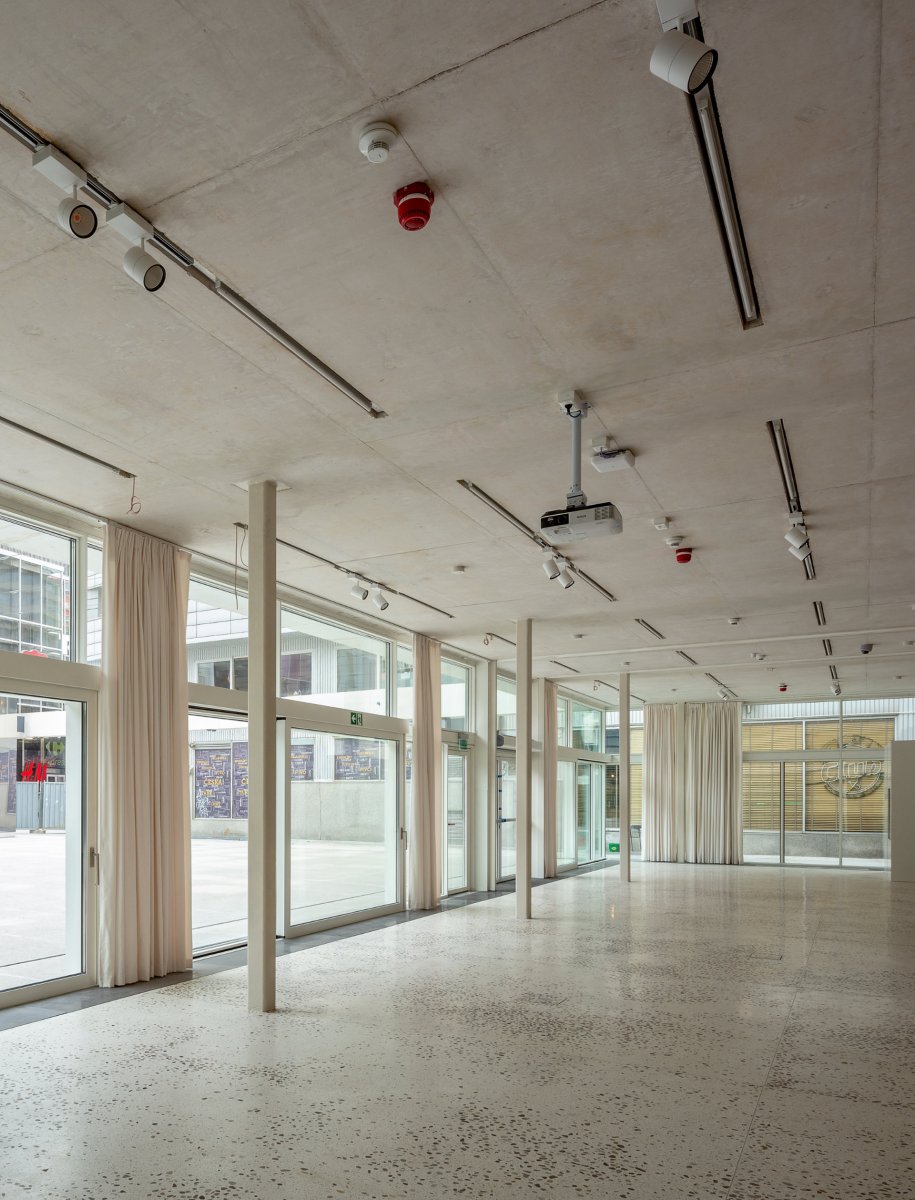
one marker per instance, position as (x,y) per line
(302,762)
(358,759)
(212,781)
(240,780)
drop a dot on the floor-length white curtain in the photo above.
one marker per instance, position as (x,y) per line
(713,783)
(660,764)
(424,825)
(144,814)
(550,768)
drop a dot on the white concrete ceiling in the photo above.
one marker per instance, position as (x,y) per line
(572,244)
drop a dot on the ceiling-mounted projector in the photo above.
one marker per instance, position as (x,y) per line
(586,521)
(579,519)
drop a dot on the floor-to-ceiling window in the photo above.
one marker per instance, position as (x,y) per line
(46,906)
(815,781)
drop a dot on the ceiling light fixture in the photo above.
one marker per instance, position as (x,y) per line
(544,545)
(73,215)
(551,567)
(795,509)
(797,535)
(34,141)
(379,599)
(565,578)
(140,266)
(359,591)
(683,59)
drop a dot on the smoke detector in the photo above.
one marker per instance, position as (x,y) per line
(376,140)
(674,542)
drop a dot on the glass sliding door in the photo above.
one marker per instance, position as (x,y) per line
(218,748)
(565,815)
(455,874)
(342,826)
(506,818)
(590,844)
(46,907)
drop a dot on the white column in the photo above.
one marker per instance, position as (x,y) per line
(538,780)
(625,849)
(523,771)
(262,747)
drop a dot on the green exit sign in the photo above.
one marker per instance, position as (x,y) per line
(613,847)
(355,718)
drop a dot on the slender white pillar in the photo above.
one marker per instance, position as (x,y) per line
(625,847)
(538,781)
(523,771)
(262,746)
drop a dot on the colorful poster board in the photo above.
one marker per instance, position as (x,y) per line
(240,780)
(302,762)
(358,759)
(212,781)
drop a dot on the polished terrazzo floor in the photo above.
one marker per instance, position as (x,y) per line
(743,1033)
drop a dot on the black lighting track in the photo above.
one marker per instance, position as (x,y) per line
(750,315)
(819,612)
(686,658)
(650,629)
(779,437)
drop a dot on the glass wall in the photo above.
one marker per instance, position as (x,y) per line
(35,572)
(217,636)
(815,780)
(587,727)
(343,825)
(456,843)
(331,664)
(506,816)
(403,702)
(565,815)
(456,709)
(506,705)
(219,829)
(42,815)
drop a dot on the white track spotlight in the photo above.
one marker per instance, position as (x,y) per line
(143,268)
(683,61)
(796,536)
(551,566)
(801,552)
(359,591)
(565,578)
(379,599)
(836,690)
(76,218)
(140,266)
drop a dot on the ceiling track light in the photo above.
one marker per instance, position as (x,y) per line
(683,59)
(801,552)
(359,591)
(819,612)
(551,567)
(34,141)
(797,537)
(74,216)
(565,578)
(372,583)
(379,599)
(542,543)
(140,266)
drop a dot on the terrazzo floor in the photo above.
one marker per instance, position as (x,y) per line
(743,1033)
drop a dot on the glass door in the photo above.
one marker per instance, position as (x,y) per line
(454,873)
(565,815)
(343,857)
(598,803)
(506,818)
(590,784)
(47,882)
(218,749)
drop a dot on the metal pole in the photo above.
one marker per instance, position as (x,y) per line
(523,772)
(262,747)
(625,848)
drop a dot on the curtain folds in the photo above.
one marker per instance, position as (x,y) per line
(660,768)
(144,813)
(424,854)
(550,769)
(713,783)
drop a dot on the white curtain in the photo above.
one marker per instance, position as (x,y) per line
(424,826)
(713,783)
(660,764)
(144,812)
(550,768)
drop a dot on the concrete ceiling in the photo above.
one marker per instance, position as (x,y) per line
(572,244)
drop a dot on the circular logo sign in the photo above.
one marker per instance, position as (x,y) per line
(860,776)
